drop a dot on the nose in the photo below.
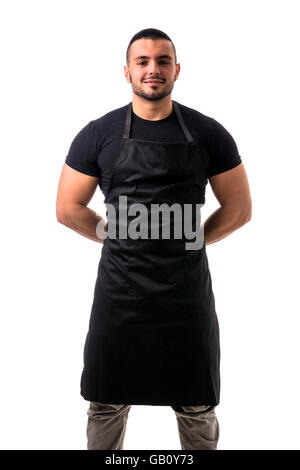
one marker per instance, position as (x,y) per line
(153,68)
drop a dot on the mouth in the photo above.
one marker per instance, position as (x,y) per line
(153,82)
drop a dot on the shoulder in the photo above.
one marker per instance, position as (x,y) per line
(111,116)
(109,122)
(96,130)
(86,145)
(206,126)
(102,130)
(196,117)
(211,135)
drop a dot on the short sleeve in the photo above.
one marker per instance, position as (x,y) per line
(83,153)
(224,154)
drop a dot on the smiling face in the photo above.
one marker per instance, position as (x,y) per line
(152,70)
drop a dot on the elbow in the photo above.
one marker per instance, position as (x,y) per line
(245,216)
(60,212)
(61,215)
(66,214)
(249,212)
(60,218)
(239,216)
(245,220)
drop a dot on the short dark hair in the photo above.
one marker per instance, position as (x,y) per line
(150,33)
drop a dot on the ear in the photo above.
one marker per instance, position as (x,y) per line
(126,73)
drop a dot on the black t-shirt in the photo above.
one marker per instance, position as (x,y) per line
(96,146)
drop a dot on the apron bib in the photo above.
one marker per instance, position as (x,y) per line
(153,335)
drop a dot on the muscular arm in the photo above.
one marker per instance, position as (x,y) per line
(75,190)
(231,189)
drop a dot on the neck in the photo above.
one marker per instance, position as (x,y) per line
(152,110)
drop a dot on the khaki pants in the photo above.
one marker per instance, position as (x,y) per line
(198,426)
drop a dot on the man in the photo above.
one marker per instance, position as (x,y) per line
(153,335)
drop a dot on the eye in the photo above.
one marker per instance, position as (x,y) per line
(162,61)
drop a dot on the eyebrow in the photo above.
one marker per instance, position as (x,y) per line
(164,56)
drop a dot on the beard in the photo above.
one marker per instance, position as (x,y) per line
(153,94)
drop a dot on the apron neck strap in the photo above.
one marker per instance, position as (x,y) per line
(182,123)
(179,117)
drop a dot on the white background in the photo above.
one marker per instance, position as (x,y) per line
(62,66)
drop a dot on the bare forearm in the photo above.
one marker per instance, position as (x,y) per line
(222,223)
(82,220)
(217,226)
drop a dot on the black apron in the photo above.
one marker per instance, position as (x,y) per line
(153,335)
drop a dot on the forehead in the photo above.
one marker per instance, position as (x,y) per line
(151,48)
